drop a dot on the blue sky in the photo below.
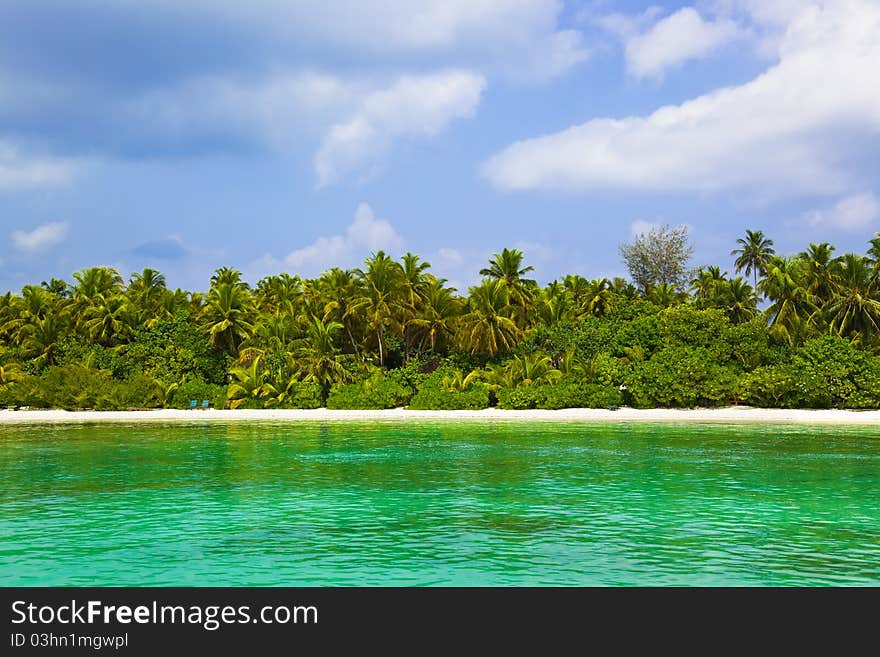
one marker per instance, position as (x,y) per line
(279,135)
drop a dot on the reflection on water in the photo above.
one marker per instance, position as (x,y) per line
(438,503)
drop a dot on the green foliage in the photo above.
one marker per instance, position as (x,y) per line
(567,394)
(302,394)
(376,392)
(74,387)
(172,350)
(432,395)
(199,390)
(681,377)
(826,372)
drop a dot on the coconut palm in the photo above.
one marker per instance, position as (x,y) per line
(228,316)
(435,319)
(40,340)
(487,326)
(507,267)
(753,255)
(792,305)
(107,320)
(337,289)
(597,299)
(664,295)
(853,310)
(706,282)
(380,300)
(146,292)
(317,358)
(818,270)
(737,299)
(532,369)
(458,381)
(249,383)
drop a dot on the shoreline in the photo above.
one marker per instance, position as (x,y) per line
(729,415)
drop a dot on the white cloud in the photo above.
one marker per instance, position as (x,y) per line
(40,238)
(18,170)
(852,213)
(675,39)
(414,106)
(450,256)
(366,234)
(274,110)
(794,129)
(509,35)
(640,227)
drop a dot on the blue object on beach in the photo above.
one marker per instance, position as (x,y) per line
(206,403)
(193,403)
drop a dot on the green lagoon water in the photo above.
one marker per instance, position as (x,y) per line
(438,504)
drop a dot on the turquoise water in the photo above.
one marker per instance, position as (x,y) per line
(438,504)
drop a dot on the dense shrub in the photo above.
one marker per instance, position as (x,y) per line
(434,397)
(199,390)
(302,395)
(683,377)
(826,372)
(173,350)
(567,394)
(375,393)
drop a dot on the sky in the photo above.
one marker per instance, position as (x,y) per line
(289,135)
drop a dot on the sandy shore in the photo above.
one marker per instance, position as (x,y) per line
(735,414)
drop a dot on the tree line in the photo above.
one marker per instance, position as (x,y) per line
(796,330)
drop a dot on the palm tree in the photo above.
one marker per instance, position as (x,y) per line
(663,295)
(316,356)
(279,293)
(414,284)
(457,381)
(228,276)
(754,254)
(853,309)
(41,339)
(507,267)
(487,327)
(737,298)
(248,383)
(381,299)
(97,281)
(107,319)
(436,317)
(227,316)
(554,303)
(706,282)
(818,270)
(533,369)
(146,290)
(792,305)
(598,298)
(338,289)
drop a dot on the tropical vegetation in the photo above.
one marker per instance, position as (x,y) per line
(798,330)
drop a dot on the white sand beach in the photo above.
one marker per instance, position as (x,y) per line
(733,414)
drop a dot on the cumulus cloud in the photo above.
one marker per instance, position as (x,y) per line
(40,238)
(852,213)
(675,39)
(363,236)
(18,170)
(414,106)
(219,75)
(796,128)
